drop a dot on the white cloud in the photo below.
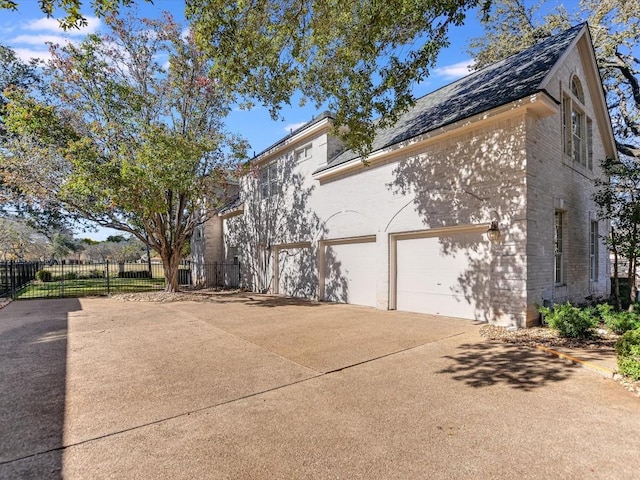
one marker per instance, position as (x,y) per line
(51,25)
(26,54)
(292,127)
(38,39)
(454,71)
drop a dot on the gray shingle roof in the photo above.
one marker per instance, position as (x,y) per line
(511,79)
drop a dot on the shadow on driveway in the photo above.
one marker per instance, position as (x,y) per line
(33,362)
(491,363)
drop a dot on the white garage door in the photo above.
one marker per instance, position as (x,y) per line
(350,273)
(444,275)
(297,273)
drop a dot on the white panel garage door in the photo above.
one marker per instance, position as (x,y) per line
(444,275)
(297,273)
(350,273)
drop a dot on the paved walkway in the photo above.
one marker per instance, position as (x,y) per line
(257,387)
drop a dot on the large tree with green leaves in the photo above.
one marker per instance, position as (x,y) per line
(70,12)
(127,134)
(513,25)
(362,58)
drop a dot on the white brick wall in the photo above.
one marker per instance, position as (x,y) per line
(511,169)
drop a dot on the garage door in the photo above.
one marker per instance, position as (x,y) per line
(444,275)
(350,273)
(297,275)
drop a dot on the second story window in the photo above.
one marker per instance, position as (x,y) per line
(577,126)
(269,180)
(303,153)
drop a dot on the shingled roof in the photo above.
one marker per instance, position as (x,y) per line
(511,79)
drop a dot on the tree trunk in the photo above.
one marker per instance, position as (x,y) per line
(171,264)
(632,284)
(631,272)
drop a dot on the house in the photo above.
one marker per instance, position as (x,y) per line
(513,148)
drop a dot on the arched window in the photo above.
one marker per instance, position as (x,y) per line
(577,126)
(576,89)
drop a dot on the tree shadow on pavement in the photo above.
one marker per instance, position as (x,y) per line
(261,300)
(486,364)
(33,368)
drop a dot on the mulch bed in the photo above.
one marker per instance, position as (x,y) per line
(531,337)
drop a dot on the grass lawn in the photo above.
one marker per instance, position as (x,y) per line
(86,287)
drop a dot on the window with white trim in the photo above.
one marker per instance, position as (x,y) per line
(593,251)
(559,248)
(303,153)
(269,184)
(577,126)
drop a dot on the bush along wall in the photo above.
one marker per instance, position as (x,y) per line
(570,321)
(628,352)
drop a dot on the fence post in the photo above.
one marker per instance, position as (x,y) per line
(61,278)
(7,281)
(13,280)
(107,277)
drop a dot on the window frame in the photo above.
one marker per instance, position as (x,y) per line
(593,251)
(304,150)
(268,180)
(577,126)
(558,248)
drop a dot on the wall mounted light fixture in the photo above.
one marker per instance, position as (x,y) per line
(493,233)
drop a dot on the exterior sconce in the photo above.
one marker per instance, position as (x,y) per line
(493,234)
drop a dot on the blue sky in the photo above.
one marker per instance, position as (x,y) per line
(27,30)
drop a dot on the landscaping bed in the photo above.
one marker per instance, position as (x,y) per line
(602,339)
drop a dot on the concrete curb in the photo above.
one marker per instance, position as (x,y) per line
(604,371)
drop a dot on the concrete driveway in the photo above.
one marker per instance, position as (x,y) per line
(252,386)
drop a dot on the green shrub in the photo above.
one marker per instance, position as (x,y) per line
(628,351)
(618,322)
(44,276)
(71,276)
(135,274)
(570,321)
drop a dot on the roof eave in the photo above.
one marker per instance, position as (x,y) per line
(540,104)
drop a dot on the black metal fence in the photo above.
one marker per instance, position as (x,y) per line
(15,275)
(37,280)
(217,274)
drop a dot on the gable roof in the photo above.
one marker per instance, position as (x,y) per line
(511,79)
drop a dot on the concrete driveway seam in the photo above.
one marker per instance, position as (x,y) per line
(231,334)
(379,357)
(227,402)
(157,422)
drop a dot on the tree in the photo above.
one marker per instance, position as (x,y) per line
(361,57)
(72,15)
(62,245)
(510,27)
(14,73)
(618,199)
(128,134)
(615,26)
(18,241)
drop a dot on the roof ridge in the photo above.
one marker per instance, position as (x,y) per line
(502,82)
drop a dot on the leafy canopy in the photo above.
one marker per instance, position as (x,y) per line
(128,133)
(361,58)
(71,10)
